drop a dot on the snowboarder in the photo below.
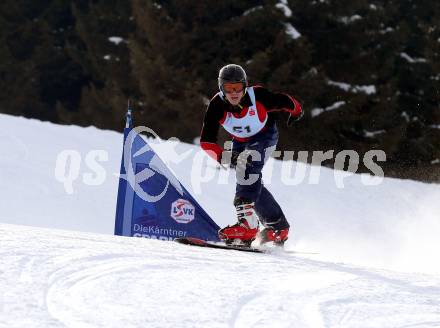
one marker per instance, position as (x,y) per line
(247,114)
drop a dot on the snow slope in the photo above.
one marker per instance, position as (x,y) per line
(377,264)
(56,278)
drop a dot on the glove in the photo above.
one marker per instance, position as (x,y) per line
(292,119)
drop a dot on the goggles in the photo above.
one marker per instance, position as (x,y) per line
(233,87)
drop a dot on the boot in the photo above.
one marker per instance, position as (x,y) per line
(245,230)
(278,237)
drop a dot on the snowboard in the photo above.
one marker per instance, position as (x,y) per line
(211,244)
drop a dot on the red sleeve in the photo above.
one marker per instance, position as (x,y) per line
(211,125)
(212,149)
(297,109)
(277,102)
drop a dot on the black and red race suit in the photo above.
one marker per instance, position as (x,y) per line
(252,126)
(253,115)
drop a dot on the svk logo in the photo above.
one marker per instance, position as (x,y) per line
(182,211)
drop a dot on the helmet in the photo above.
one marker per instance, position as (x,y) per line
(231,73)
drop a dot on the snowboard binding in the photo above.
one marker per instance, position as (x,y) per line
(238,242)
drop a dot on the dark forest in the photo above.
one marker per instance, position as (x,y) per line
(367,72)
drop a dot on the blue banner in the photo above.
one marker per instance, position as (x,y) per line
(152,203)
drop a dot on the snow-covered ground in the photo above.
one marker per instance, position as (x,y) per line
(54,278)
(377,264)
